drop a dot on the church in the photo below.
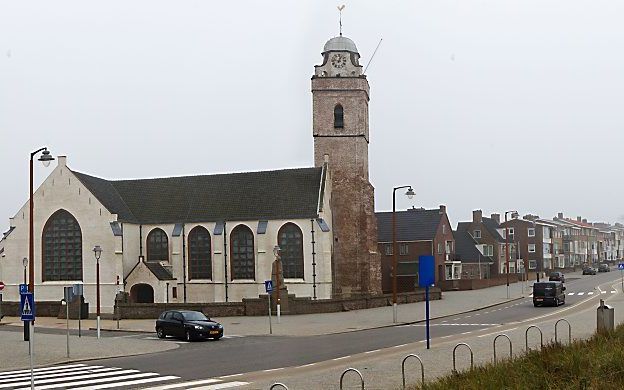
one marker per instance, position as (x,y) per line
(213,238)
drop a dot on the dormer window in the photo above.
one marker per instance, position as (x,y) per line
(338,117)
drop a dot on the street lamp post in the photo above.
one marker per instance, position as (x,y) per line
(278,267)
(97,251)
(514,215)
(410,194)
(45,159)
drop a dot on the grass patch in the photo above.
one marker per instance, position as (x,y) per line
(596,363)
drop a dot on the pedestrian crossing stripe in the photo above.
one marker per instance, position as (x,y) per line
(100,377)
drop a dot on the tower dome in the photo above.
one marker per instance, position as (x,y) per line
(340,43)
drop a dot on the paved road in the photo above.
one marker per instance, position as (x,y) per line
(211,360)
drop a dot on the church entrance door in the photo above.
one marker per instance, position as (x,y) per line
(142,293)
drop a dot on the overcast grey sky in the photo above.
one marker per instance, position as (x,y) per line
(491,104)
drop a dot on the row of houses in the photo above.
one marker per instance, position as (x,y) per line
(486,251)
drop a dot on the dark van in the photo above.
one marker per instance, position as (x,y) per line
(548,293)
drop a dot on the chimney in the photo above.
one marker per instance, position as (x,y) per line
(12,222)
(62,161)
(442,209)
(560,215)
(476,216)
(578,219)
(496,217)
(584,220)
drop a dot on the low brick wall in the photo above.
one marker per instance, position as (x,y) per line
(153,310)
(42,309)
(475,284)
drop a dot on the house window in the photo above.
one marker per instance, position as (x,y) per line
(338,117)
(531,232)
(388,249)
(243,257)
(532,264)
(403,248)
(174,292)
(477,234)
(443,229)
(290,241)
(511,231)
(488,250)
(440,248)
(157,246)
(62,248)
(531,248)
(200,262)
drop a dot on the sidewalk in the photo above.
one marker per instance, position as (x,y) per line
(452,302)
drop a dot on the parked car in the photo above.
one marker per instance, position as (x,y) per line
(548,293)
(187,324)
(556,277)
(589,271)
(604,268)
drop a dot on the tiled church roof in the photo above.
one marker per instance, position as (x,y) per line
(282,194)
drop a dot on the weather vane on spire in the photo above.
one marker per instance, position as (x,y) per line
(340,8)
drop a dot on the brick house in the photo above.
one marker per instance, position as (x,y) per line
(418,232)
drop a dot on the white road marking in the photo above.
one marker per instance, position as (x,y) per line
(232,375)
(373,351)
(570,293)
(466,332)
(185,384)
(134,382)
(224,385)
(399,346)
(311,364)
(343,357)
(72,383)
(599,289)
(590,293)
(603,292)
(613,292)
(489,334)
(273,369)
(82,375)
(53,368)
(60,373)
(581,293)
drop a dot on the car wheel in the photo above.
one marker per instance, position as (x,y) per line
(160,333)
(188,336)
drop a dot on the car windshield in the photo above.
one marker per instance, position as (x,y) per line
(194,316)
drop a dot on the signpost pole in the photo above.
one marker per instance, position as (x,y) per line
(270,325)
(31,348)
(268,287)
(426,279)
(427,315)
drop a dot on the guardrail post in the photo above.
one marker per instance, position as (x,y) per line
(471,356)
(569,330)
(510,346)
(354,370)
(422,369)
(526,337)
(274,385)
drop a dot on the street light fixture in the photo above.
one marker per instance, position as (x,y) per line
(514,215)
(97,251)
(25,264)
(45,158)
(410,194)
(278,267)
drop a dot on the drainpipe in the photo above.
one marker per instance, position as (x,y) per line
(313,261)
(184,261)
(140,240)
(225,260)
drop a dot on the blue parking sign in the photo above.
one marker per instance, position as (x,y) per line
(268,286)
(27,307)
(23,288)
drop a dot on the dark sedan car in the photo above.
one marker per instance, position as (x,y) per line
(556,277)
(190,325)
(589,271)
(604,268)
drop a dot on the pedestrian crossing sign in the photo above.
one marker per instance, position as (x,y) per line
(621,266)
(27,307)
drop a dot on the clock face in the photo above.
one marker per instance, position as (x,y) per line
(338,61)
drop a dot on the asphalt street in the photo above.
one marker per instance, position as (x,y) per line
(253,353)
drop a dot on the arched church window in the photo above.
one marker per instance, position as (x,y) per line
(62,248)
(338,117)
(290,241)
(157,246)
(242,247)
(200,262)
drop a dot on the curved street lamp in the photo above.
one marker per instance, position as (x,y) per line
(410,194)
(278,267)
(514,215)
(97,251)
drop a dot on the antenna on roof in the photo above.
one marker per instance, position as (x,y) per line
(373,56)
(340,8)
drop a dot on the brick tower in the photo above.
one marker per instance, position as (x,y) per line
(340,95)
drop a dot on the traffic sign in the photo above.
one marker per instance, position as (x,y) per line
(23,288)
(268,286)
(621,266)
(2,286)
(27,307)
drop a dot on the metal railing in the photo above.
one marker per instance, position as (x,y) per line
(354,370)
(510,345)
(422,369)
(274,385)
(569,330)
(526,337)
(471,356)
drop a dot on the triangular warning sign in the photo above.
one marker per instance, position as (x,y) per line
(26,311)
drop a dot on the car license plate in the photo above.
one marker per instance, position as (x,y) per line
(214,332)
(539,299)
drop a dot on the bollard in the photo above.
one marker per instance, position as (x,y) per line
(275,385)
(510,346)
(422,369)
(526,337)
(604,318)
(471,356)
(354,370)
(569,330)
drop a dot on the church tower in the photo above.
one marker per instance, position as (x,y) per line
(340,95)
